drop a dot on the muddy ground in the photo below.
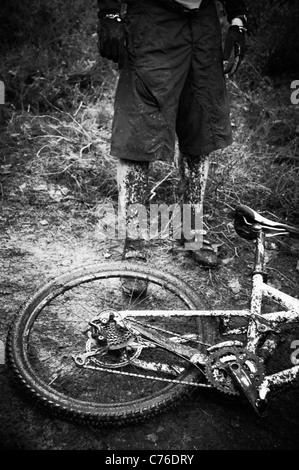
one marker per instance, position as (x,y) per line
(43,234)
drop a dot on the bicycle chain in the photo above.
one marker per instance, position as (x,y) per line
(151,377)
(214,372)
(112,339)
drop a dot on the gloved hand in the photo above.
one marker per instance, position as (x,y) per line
(111,37)
(235,42)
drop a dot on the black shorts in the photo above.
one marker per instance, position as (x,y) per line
(172,84)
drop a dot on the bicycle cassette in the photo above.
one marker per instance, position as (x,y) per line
(219,361)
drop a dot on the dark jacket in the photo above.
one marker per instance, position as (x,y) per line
(233,7)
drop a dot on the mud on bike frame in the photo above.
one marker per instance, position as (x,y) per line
(250,225)
(83,349)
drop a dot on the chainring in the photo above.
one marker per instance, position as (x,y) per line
(217,367)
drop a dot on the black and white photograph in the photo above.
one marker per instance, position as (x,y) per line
(149,228)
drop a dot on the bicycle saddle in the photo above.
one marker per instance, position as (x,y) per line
(246,218)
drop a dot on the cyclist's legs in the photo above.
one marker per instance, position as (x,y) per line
(164,88)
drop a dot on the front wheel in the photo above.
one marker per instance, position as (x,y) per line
(70,354)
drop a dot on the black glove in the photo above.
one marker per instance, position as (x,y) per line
(235,42)
(111,37)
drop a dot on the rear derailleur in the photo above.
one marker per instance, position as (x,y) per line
(109,345)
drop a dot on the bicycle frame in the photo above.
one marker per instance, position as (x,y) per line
(259,325)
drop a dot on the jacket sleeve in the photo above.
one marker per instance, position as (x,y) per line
(235,8)
(109,5)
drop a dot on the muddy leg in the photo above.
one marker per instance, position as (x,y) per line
(194,174)
(132,180)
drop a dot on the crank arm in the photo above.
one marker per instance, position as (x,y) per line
(244,384)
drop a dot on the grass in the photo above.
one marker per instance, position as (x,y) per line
(60,113)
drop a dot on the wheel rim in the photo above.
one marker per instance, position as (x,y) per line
(56,328)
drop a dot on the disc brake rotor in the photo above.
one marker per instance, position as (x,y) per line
(217,368)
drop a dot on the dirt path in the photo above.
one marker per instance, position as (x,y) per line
(43,236)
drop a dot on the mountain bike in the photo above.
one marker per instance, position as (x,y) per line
(90,352)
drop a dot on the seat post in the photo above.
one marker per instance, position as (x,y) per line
(257,293)
(259,259)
